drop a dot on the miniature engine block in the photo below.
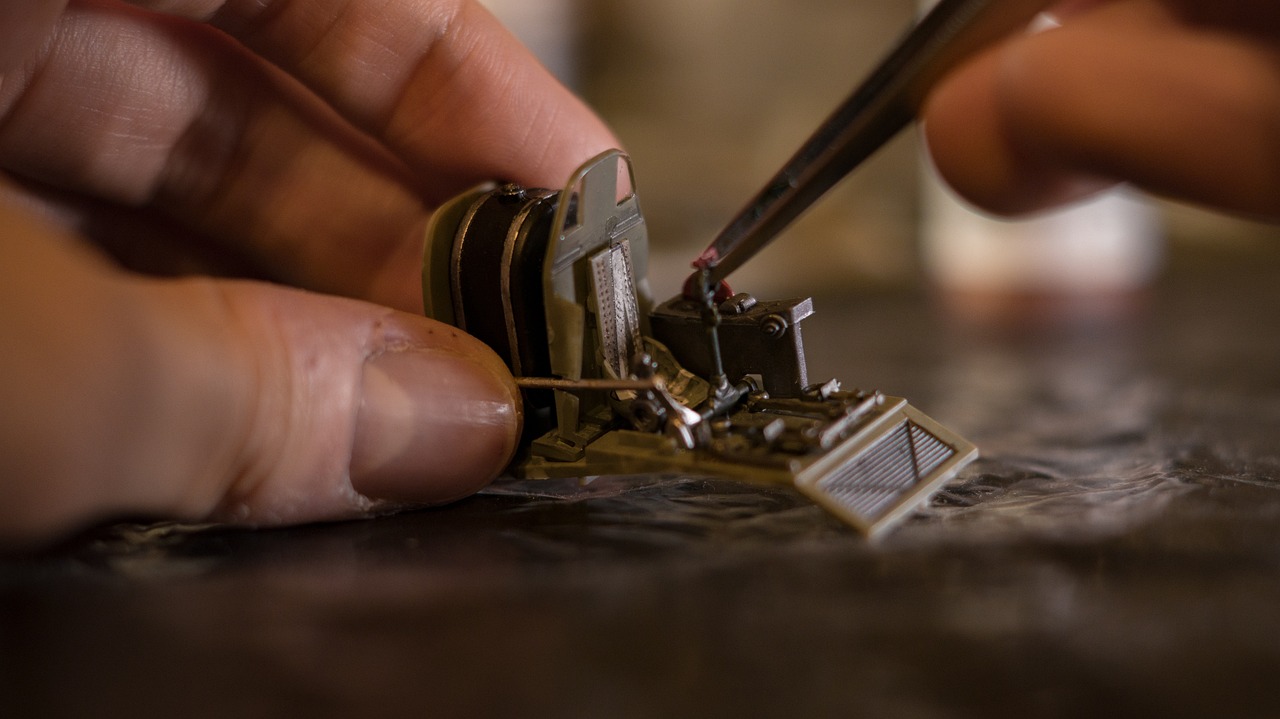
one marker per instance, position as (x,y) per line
(555,283)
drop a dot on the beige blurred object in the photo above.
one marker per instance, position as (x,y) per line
(547,27)
(1087,261)
(711,97)
(1085,256)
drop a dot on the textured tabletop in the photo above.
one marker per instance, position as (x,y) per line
(1116,550)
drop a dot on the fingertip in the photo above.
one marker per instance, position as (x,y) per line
(481,106)
(435,422)
(979,129)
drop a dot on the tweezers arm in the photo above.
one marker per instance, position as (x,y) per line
(878,109)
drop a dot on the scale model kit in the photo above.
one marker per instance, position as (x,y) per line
(705,383)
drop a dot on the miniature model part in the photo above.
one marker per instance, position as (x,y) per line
(756,338)
(612,387)
(589,385)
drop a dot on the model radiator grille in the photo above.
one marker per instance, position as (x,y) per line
(872,483)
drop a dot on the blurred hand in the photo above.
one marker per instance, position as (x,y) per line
(1179,97)
(298,142)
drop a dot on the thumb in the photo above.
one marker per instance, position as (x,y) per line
(227,400)
(340,404)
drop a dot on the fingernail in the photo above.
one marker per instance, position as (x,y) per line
(433,426)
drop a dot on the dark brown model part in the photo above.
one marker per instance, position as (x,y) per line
(555,283)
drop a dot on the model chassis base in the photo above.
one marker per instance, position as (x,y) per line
(555,283)
(895,460)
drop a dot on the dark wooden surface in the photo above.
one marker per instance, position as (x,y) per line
(1115,552)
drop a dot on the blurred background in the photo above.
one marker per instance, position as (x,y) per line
(710,97)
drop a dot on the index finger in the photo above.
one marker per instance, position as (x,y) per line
(440,82)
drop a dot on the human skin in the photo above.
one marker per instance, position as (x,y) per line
(306,142)
(269,167)
(1178,97)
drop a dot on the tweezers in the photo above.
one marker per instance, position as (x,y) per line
(885,103)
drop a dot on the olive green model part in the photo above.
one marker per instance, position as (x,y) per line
(555,283)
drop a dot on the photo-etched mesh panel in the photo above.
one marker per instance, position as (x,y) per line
(617,306)
(872,483)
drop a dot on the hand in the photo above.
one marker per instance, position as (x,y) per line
(1179,97)
(299,142)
